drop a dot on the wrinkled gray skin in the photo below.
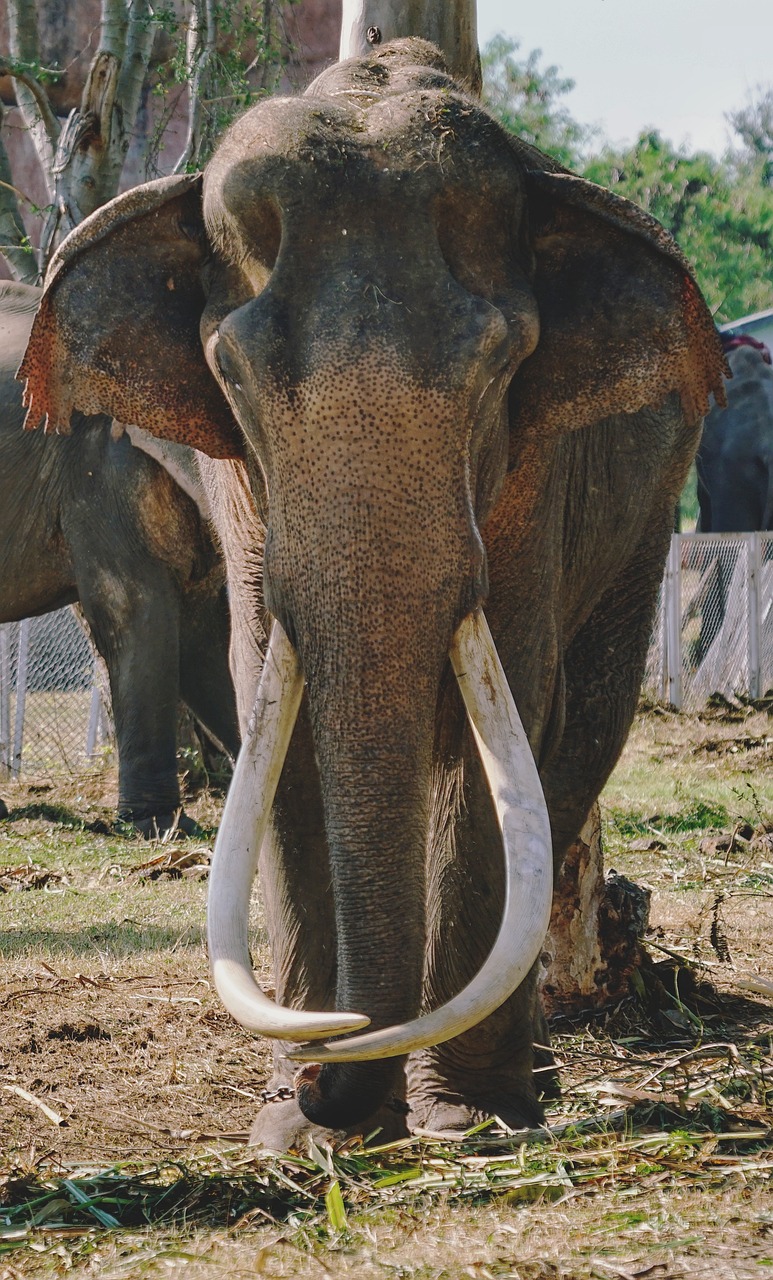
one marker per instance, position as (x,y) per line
(735,456)
(89,518)
(440,372)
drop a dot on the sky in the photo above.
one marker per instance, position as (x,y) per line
(677,65)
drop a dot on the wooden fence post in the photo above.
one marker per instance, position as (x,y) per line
(672,605)
(5,700)
(754,563)
(21,695)
(95,716)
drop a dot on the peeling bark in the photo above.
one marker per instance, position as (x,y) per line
(596,927)
(93,144)
(30,96)
(82,162)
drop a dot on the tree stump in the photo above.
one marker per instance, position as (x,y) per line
(596,927)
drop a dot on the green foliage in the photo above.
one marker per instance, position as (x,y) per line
(35,70)
(688,502)
(720,212)
(526,99)
(754,125)
(244,66)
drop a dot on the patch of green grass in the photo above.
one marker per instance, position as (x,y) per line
(697,816)
(678,798)
(672,763)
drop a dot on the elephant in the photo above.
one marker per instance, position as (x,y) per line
(91,518)
(734,467)
(735,455)
(433,373)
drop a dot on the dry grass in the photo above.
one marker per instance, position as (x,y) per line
(126,1089)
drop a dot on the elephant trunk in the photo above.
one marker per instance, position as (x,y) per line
(373,730)
(342,1094)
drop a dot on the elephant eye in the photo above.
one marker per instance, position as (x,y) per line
(227,375)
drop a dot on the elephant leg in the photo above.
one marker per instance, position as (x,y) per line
(134,618)
(603,668)
(205,679)
(296,883)
(489,1069)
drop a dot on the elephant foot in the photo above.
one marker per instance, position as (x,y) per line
(176,825)
(450,1117)
(452,1101)
(281,1126)
(188,827)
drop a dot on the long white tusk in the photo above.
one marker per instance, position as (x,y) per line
(234,862)
(523,820)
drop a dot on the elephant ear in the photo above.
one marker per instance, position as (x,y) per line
(622,322)
(117,330)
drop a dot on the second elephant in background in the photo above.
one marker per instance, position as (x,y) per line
(91,518)
(735,457)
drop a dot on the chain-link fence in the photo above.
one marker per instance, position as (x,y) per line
(51,714)
(714,629)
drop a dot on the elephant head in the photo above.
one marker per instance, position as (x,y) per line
(373,303)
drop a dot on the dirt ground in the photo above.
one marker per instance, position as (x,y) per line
(116,1057)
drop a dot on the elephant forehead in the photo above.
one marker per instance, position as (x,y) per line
(299,328)
(315,152)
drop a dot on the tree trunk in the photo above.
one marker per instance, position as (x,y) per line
(598,921)
(451,25)
(19,255)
